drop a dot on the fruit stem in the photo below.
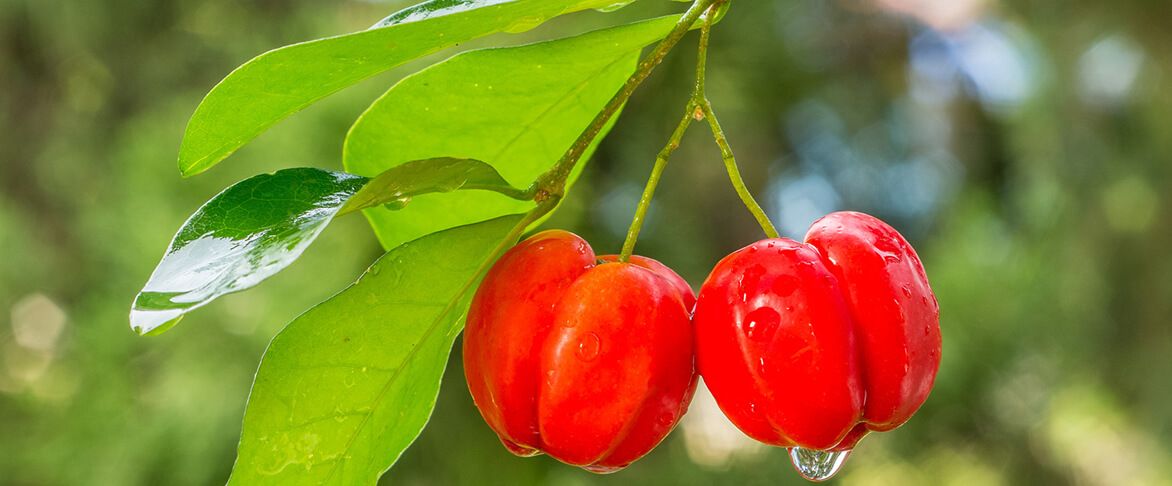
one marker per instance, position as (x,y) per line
(649,191)
(553,183)
(734,173)
(698,108)
(700,100)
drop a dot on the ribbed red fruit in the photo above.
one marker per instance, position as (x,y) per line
(589,362)
(816,344)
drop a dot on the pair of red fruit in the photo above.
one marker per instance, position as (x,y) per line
(809,345)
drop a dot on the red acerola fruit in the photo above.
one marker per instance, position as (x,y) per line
(816,344)
(589,362)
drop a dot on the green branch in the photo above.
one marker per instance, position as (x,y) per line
(552,185)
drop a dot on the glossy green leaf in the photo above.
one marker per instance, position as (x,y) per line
(396,186)
(281,82)
(516,108)
(345,388)
(244,235)
(259,226)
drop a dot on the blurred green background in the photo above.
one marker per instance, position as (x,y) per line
(1023,146)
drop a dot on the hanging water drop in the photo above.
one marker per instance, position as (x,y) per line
(815,465)
(760,325)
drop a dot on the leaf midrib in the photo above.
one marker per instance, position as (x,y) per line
(427,335)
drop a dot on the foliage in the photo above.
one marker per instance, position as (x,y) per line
(346,387)
(1045,206)
(281,82)
(518,109)
(383,344)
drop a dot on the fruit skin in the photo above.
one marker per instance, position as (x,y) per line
(590,363)
(817,344)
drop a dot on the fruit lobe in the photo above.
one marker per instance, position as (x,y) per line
(816,344)
(590,363)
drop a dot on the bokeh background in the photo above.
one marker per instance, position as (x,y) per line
(1023,146)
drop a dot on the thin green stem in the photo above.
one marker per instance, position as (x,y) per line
(553,183)
(734,172)
(702,54)
(690,114)
(649,191)
(700,100)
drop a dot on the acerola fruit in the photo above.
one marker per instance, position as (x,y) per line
(590,363)
(816,344)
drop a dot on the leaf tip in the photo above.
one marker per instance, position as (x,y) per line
(154,322)
(189,167)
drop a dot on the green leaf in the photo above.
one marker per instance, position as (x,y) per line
(516,108)
(345,388)
(259,226)
(399,184)
(281,82)
(244,235)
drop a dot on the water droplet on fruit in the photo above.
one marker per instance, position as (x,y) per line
(907,291)
(588,346)
(815,465)
(666,419)
(886,245)
(760,324)
(752,249)
(891,259)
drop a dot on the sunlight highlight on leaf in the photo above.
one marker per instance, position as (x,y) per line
(241,237)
